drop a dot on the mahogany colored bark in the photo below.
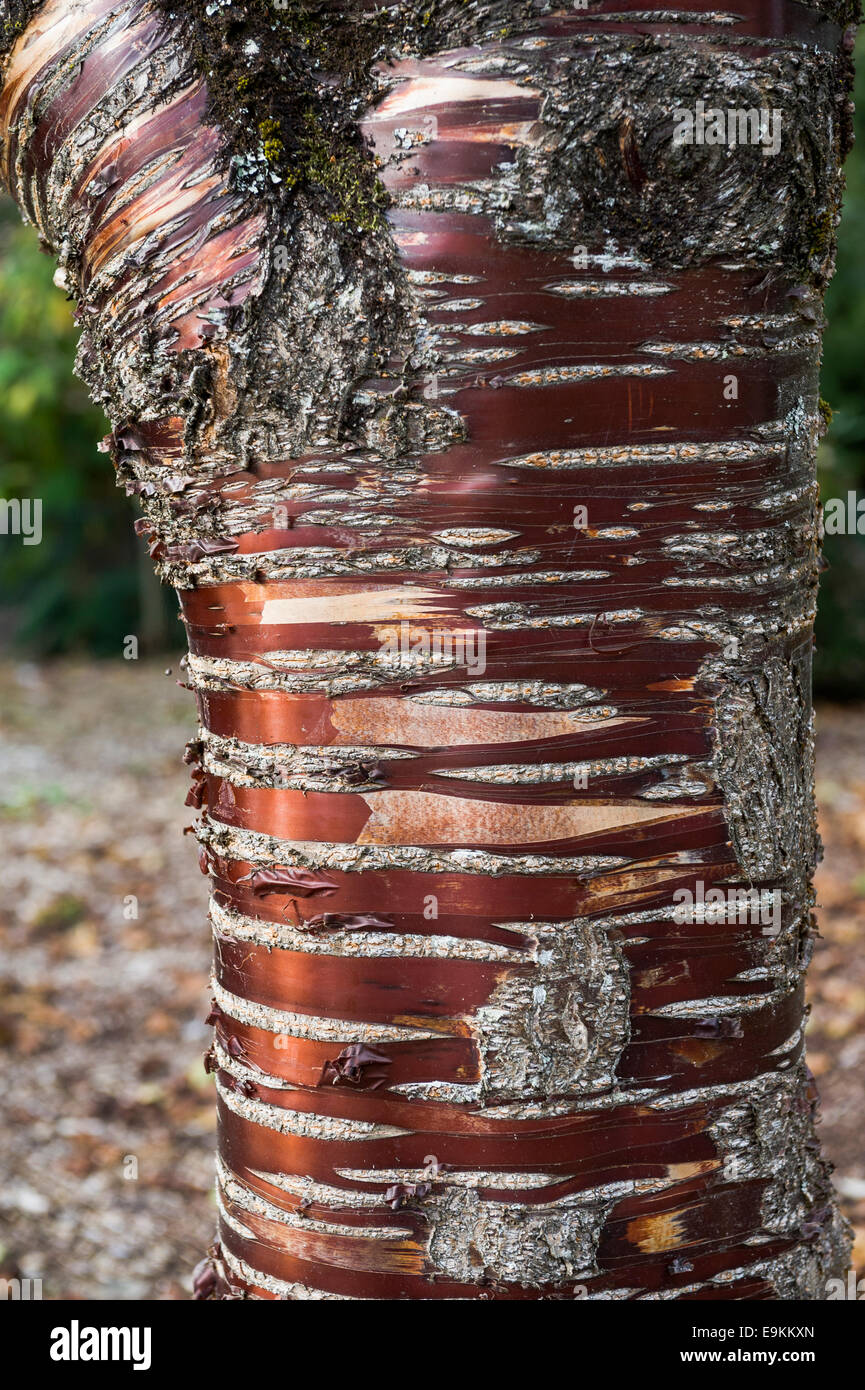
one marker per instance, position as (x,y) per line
(462,742)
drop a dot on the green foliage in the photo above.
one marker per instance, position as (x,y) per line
(840,657)
(78,589)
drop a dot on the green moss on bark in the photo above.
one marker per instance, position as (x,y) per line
(288,84)
(15,15)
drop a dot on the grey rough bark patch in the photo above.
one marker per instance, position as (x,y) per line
(474,1241)
(764,764)
(257,848)
(562,1026)
(690,203)
(769,1135)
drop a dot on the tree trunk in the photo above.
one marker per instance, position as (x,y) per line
(473,408)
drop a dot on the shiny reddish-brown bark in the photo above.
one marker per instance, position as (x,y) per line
(613,1100)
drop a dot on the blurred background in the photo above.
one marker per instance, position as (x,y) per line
(106,1150)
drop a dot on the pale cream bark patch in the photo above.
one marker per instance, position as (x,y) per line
(385,720)
(397,816)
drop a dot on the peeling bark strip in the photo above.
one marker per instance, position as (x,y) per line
(499,608)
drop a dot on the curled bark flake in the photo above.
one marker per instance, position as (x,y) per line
(347,921)
(357,1065)
(403,1194)
(293,883)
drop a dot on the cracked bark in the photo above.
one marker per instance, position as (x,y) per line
(375,300)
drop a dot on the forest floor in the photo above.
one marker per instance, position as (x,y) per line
(106,1142)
